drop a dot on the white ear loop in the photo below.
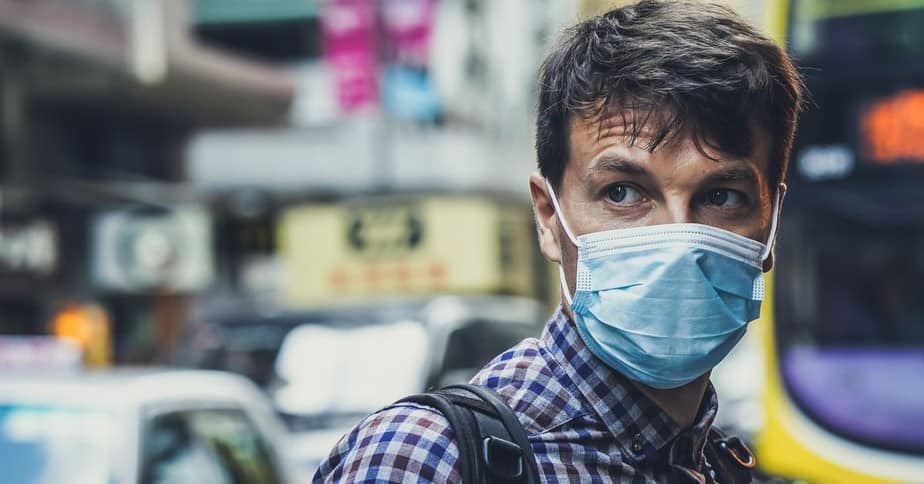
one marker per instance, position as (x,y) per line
(564,284)
(774,223)
(564,225)
(560,215)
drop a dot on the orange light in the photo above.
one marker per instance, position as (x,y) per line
(893,129)
(87,326)
(73,323)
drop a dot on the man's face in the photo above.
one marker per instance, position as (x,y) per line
(609,184)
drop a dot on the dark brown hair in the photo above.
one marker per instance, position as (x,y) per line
(669,66)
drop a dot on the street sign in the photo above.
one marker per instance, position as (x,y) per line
(406,246)
(28,248)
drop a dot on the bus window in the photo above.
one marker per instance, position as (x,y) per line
(843,31)
(850,322)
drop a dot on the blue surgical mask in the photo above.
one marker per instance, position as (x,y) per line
(664,304)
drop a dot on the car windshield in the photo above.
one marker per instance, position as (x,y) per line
(41,444)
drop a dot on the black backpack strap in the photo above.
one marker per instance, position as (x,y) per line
(464,427)
(496,446)
(493,447)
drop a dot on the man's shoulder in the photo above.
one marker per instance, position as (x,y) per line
(407,441)
(516,368)
(533,385)
(402,442)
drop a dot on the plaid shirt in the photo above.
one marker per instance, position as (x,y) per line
(585,421)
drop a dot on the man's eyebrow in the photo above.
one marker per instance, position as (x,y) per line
(733,175)
(617,163)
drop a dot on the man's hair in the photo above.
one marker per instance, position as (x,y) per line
(669,67)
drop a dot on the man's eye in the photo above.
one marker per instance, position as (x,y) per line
(724,197)
(623,194)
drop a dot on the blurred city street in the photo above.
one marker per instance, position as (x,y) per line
(229,229)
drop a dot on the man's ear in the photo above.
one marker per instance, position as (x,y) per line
(546,220)
(768,262)
(778,198)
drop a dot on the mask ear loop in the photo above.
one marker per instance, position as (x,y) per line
(774,222)
(564,285)
(560,215)
(571,237)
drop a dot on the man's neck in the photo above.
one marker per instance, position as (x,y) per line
(680,404)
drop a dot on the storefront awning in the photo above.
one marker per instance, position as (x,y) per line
(247,11)
(137,55)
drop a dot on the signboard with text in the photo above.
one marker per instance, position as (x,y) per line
(28,249)
(406,247)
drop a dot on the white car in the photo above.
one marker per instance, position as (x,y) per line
(138,427)
(332,375)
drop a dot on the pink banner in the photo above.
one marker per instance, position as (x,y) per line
(409,23)
(350,50)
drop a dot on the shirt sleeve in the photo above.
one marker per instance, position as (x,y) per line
(401,443)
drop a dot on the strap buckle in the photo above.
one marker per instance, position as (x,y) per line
(503,458)
(734,447)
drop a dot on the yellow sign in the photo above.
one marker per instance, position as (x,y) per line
(407,246)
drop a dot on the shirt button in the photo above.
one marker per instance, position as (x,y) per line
(637,443)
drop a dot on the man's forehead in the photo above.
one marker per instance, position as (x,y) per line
(632,128)
(642,121)
(649,131)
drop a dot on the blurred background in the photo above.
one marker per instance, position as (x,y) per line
(231,228)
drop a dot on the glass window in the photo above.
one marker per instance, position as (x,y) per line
(175,454)
(474,344)
(845,284)
(841,31)
(42,444)
(207,446)
(850,325)
(238,443)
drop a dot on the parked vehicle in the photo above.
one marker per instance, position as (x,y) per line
(138,426)
(326,369)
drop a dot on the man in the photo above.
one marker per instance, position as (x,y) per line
(663,134)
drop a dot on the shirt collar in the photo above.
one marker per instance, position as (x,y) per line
(640,427)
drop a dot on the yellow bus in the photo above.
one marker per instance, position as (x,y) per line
(842,334)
